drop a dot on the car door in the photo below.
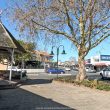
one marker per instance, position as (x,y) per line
(106,72)
(53,70)
(57,70)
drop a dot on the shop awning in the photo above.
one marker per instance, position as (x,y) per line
(100,64)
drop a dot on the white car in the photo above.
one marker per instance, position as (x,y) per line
(105,73)
(67,69)
(89,70)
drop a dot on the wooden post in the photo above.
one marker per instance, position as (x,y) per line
(12,59)
(22,68)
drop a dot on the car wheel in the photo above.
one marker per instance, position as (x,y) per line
(50,72)
(61,72)
(101,76)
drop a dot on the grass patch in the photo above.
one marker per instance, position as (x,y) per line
(97,84)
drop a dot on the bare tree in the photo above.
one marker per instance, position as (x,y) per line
(84,22)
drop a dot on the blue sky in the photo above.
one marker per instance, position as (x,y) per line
(102,48)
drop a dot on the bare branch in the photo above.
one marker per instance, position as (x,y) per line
(56,32)
(105,26)
(81,21)
(69,20)
(96,25)
(98,41)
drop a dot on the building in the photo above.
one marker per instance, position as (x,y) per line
(40,59)
(42,56)
(3,64)
(70,63)
(99,61)
(8,47)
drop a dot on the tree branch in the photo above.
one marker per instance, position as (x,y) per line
(98,22)
(68,19)
(101,29)
(98,41)
(56,32)
(94,35)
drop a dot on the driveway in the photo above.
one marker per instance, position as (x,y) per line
(43,94)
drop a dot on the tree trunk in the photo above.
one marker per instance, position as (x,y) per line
(82,73)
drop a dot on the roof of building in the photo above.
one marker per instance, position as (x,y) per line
(8,41)
(43,53)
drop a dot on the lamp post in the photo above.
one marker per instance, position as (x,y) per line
(52,53)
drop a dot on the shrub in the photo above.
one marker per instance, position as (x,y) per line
(101,85)
(86,83)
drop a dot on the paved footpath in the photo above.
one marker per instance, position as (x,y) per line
(42,94)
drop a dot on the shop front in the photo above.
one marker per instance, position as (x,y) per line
(99,62)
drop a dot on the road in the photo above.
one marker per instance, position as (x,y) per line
(67,73)
(73,73)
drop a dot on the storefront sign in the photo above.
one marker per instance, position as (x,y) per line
(105,57)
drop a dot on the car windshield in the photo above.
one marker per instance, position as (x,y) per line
(107,69)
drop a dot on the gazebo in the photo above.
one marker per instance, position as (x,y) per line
(9,45)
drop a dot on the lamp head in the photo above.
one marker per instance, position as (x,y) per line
(63,52)
(51,53)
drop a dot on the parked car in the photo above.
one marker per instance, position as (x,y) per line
(89,70)
(55,70)
(16,73)
(67,69)
(105,73)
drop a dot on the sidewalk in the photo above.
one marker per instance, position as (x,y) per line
(78,98)
(40,94)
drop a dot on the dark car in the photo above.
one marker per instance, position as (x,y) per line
(55,70)
(16,73)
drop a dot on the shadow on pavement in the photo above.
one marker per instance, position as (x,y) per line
(19,99)
(5,84)
(37,81)
(92,77)
(106,80)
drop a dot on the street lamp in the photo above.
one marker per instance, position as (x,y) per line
(52,53)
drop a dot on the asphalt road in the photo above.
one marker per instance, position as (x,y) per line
(91,76)
(67,73)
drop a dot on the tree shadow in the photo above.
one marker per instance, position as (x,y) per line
(4,84)
(92,77)
(106,80)
(19,99)
(37,81)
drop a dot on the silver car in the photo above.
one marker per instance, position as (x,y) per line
(105,73)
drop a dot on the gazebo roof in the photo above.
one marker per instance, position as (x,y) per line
(7,40)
